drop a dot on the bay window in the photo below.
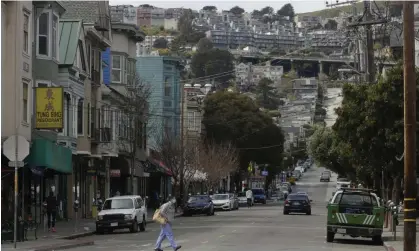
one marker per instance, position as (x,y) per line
(116,69)
(47,35)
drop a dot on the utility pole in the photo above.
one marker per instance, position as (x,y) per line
(182,146)
(368,22)
(409,242)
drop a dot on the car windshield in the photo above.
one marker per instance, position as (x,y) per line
(220,197)
(198,199)
(356,199)
(118,204)
(297,197)
(257,191)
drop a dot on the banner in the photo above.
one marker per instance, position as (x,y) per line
(49,108)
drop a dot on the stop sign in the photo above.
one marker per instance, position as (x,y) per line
(16,143)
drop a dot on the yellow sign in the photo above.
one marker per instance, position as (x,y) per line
(49,108)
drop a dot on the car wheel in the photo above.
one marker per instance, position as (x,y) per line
(330,236)
(213,212)
(378,240)
(286,212)
(134,227)
(100,230)
(143,224)
(309,212)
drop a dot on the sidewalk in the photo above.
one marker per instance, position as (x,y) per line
(397,245)
(66,236)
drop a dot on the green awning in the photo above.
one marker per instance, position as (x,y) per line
(45,153)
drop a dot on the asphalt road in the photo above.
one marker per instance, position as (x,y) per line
(261,228)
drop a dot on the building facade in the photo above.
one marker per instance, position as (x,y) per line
(163,74)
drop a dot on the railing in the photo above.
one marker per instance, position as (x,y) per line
(103,22)
(102,135)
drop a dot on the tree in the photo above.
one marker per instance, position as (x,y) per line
(236,10)
(217,161)
(160,43)
(132,103)
(170,152)
(185,26)
(287,10)
(256,14)
(268,10)
(235,118)
(213,62)
(331,25)
(210,8)
(268,97)
(204,45)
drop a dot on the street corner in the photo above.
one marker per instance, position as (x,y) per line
(388,247)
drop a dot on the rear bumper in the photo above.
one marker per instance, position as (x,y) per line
(297,209)
(114,224)
(355,230)
(260,200)
(222,207)
(197,210)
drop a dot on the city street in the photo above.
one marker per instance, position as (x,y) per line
(262,228)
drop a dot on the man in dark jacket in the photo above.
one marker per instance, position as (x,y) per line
(51,211)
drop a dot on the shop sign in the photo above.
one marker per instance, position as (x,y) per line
(115,173)
(49,108)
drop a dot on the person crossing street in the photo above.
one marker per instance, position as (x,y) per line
(167,211)
(249,196)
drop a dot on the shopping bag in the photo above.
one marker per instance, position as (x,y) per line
(158,218)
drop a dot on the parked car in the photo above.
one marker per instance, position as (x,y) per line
(122,212)
(288,184)
(223,201)
(199,204)
(259,195)
(236,201)
(284,190)
(297,203)
(296,174)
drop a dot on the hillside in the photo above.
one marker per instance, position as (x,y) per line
(335,11)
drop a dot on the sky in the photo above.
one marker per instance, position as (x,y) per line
(299,6)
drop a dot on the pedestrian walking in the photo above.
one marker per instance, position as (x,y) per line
(167,212)
(52,205)
(249,196)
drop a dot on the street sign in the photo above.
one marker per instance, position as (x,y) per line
(19,163)
(9,148)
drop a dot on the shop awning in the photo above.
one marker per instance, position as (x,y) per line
(47,154)
(152,166)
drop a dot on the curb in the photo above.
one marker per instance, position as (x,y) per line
(388,247)
(64,246)
(78,235)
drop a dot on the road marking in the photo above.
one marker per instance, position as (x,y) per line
(234,231)
(221,236)
(146,245)
(204,242)
(253,222)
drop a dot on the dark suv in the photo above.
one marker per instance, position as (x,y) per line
(297,203)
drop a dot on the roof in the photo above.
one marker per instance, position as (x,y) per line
(69,39)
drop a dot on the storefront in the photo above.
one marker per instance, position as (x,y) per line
(48,167)
(159,182)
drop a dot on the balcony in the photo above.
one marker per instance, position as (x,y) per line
(95,77)
(103,22)
(102,135)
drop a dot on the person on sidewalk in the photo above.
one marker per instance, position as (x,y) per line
(51,211)
(249,196)
(167,211)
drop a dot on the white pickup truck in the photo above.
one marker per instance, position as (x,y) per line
(342,183)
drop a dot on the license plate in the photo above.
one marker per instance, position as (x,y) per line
(341,231)
(296,203)
(115,224)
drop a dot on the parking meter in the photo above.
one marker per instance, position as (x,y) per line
(76,210)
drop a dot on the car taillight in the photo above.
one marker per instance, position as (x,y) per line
(287,202)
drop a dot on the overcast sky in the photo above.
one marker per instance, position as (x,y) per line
(299,6)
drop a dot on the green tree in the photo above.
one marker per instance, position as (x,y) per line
(210,8)
(268,10)
(234,117)
(236,10)
(331,25)
(204,45)
(160,43)
(213,62)
(267,96)
(287,10)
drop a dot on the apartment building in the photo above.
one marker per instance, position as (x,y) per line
(326,39)
(124,14)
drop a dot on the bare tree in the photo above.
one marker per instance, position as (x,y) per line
(217,161)
(132,120)
(170,152)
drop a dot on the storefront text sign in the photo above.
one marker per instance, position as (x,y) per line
(115,173)
(49,108)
